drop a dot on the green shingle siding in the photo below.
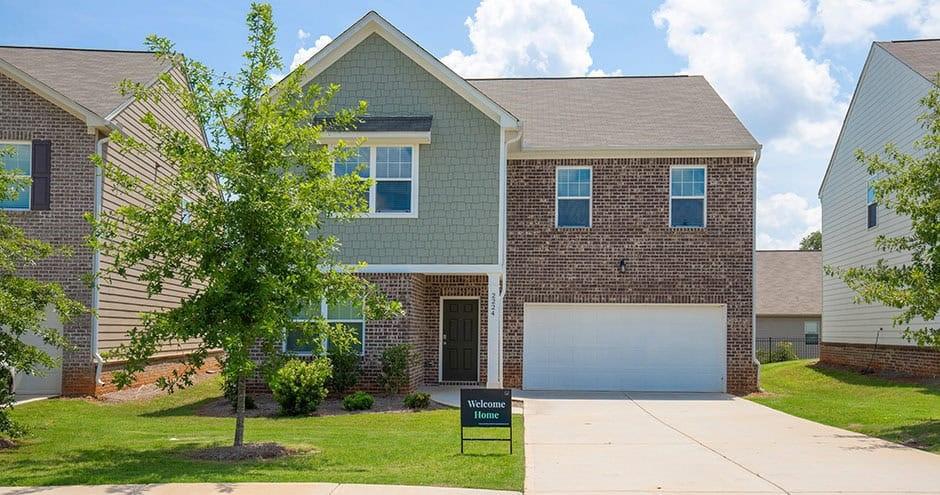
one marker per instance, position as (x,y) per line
(458,173)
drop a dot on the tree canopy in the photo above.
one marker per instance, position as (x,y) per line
(812,242)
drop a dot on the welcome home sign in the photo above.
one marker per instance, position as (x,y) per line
(485,408)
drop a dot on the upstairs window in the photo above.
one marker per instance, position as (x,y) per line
(573,197)
(21,162)
(687,187)
(871,204)
(394,168)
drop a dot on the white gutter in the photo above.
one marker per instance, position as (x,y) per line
(96,264)
(754,266)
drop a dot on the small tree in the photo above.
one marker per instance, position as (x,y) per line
(240,220)
(910,186)
(23,301)
(812,242)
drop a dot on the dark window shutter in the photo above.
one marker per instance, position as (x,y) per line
(42,175)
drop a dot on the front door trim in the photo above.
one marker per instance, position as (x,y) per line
(440,333)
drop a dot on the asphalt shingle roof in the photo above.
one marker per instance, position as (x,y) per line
(619,112)
(88,77)
(921,55)
(788,283)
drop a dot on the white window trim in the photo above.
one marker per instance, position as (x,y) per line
(703,197)
(325,310)
(589,197)
(372,168)
(29,143)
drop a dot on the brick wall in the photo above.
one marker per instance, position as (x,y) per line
(25,116)
(158,367)
(903,359)
(630,221)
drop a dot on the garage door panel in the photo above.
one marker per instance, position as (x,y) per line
(624,347)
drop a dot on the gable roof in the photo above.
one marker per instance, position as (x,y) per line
(83,82)
(788,283)
(373,23)
(657,112)
(923,56)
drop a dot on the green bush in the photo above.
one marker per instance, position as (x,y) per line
(358,401)
(230,391)
(8,427)
(300,386)
(782,352)
(345,370)
(396,366)
(418,400)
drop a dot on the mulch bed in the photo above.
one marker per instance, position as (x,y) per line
(148,391)
(246,452)
(265,406)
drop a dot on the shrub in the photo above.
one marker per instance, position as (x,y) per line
(359,401)
(783,351)
(345,370)
(300,386)
(396,365)
(8,427)
(418,400)
(230,391)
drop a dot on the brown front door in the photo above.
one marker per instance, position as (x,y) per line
(461,342)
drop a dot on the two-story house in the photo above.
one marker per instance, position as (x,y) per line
(57,108)
(884,109)
(547,233)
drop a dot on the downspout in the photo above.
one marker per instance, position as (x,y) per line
(754,266)
(95,266)
(503,186)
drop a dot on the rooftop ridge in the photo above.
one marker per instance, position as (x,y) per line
(105,50)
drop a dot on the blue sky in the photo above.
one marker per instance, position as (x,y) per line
(786,67)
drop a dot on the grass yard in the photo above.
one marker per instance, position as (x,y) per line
(900,411)
(75,441)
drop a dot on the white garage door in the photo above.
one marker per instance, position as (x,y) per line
(653,347)
(50,383)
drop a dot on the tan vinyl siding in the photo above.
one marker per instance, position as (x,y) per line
(885,108)
(121,300)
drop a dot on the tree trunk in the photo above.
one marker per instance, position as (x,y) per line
(240,413)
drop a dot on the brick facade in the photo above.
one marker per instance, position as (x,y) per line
(25,116)
(630,221)
(906,360)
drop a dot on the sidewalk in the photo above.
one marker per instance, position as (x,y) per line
(246,489)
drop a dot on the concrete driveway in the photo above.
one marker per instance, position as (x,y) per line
(614,442)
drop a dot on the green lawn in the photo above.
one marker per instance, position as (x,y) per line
(898,411)
(74,441)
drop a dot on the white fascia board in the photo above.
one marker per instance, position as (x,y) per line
(373,23)
(382,137)
(634,152)
(439,269)
(91,119)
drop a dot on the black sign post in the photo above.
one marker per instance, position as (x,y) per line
(485,408)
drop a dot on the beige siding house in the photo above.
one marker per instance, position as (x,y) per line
(57,107)
(884,110)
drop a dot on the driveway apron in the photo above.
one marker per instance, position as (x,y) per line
(616,442)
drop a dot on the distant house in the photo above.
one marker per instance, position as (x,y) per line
(57,107)
(884,110)
(789,299)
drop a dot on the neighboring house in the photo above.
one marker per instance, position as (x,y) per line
(57,107)
(884,110)
(547,233)
(789,300)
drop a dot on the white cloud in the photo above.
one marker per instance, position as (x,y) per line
(784,219)
(302,35)
(853,21)
(810,134)
(926,19)
(304,54)
(526,38)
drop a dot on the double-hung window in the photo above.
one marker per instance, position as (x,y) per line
(573,197)
(811,332)
(17,157)
(687,193)
(871,204)
(347,315)
(395,172)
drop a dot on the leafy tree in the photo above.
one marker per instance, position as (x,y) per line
(240,222)
(910,186)
(23,300)
(812,242)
